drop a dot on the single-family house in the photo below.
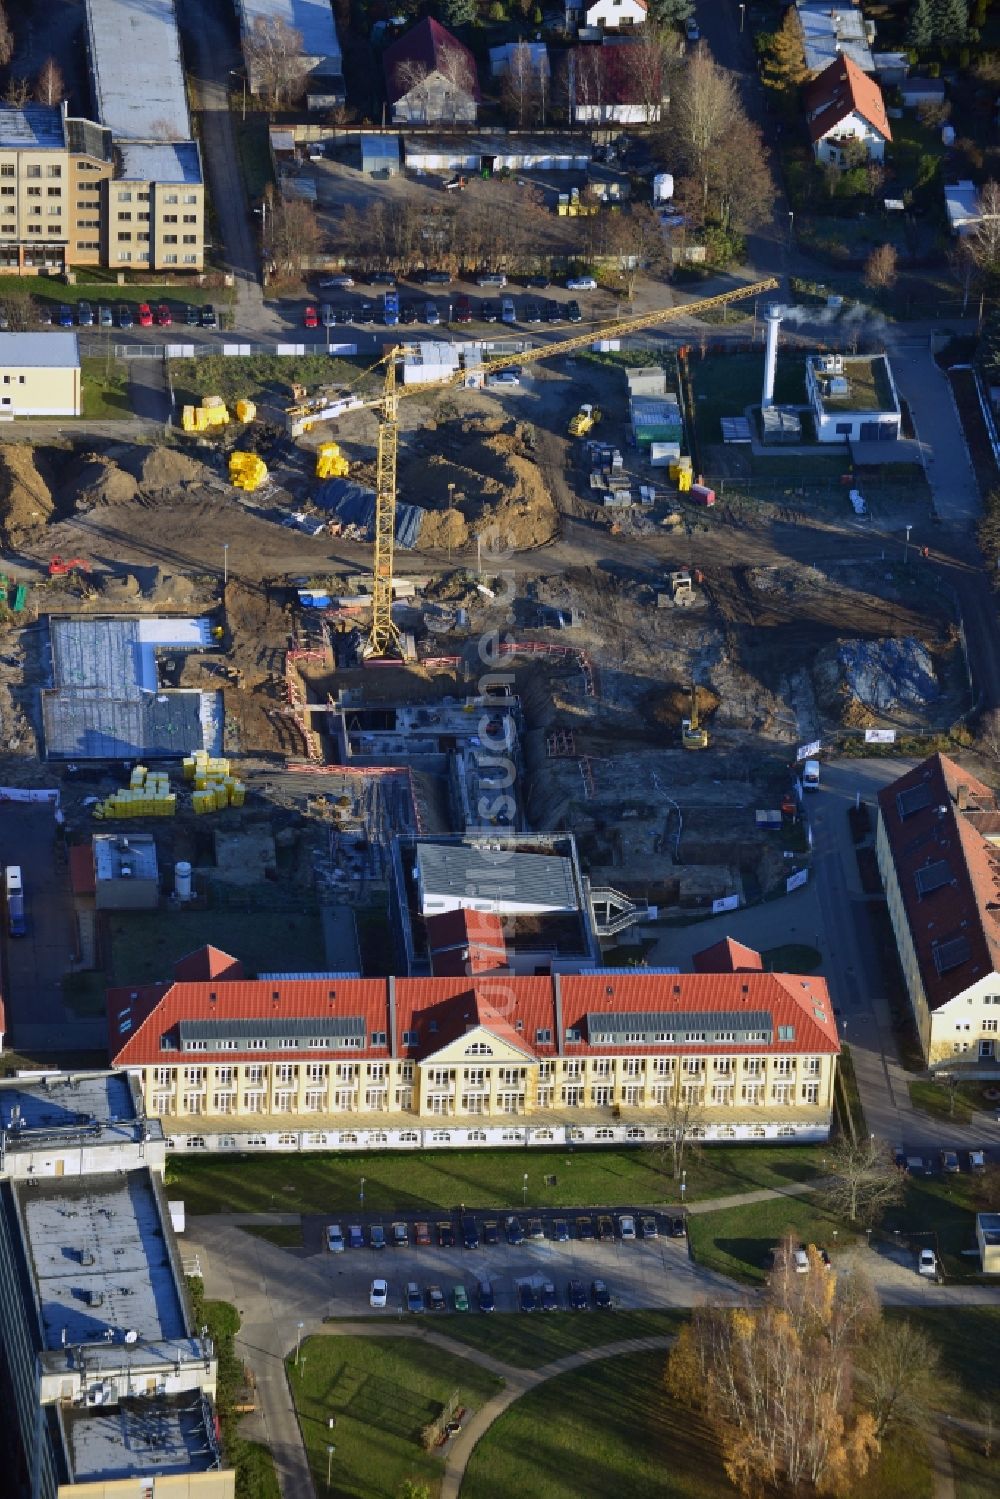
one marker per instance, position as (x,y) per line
(533,57)
(845,109)
(963,207)
(938,850)
(614,15)
(605,88)
(430,78)
(835,30)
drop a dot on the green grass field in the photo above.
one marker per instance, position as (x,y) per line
(967,1338)
(328,1183)
(97,286)
(976,1475)
(943,1102)
(736,1241)
(145,944)
(724,385)
(261,375)
(104,389)
(531,1342)
(605,1429)
(382,1392)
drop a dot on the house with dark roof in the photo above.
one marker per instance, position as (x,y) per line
(607,87)
(431,78)
(473,1056)
(844,111)
(938,848)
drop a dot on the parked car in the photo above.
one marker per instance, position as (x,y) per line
(382,278)
(379,1294)
(648,1228)
(436,278)
(691,30)
(105,316)
(414,1298)
(800,1261)
(463,310)
(585,1228)
(581,283)
(605,1227)
(626,1227)
(536,1229)
(65,316)
(560,1231)
(573,312)
(678,1227)
(508,313)
(435,1299)
(460,1297)
(487,1300)
(601,1295)
(85,314)
(491,278)
(344,281)
(335,1238)
(576,1296)
(421,1233)
(408,313)
(45,316)
(549,1297)
(209,318)
(532,312)
(164,317)
(145,315)
(552,313)
(446,1236)
(431,315)
(400,1236)
(124,316)
(355,1237)
(489,312)
(470,1233)
(365,314)
(515,1233)
(327,316)
(491,1232)
(527,1297)
(927,1263)
(538,283)
(376,1236)
(977,1160)
(192,315)
(310,317)
(949,1160)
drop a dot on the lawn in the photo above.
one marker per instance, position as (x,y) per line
(736,1241)
(947,1103)
(104,389)
(382,1393)
(605,1429)
(330,1183)
(530,1342)
(95,286)
(284,1235)
(255,1475)
(265,374)
(724,385)
(145,944)
(85,994)
(967,1338)
(255,154)
(976,1476)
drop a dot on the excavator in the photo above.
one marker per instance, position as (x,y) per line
(694,736)
(384,638)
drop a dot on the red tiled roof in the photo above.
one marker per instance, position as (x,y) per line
(465,942)
(727,956)
(82,878)
(841,90)
(964,903)
(207,963)
(437,1011)
(427,44)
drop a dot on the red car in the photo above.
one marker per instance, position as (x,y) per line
(463,310)
(145,315)
(163,317)
(311,317)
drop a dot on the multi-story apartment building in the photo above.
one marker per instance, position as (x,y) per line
(106,1383)
(610,1056)
(124,190)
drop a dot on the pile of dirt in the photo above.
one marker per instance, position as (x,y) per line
(162,467)
(856,679)
(98,480)
(442,530)
(25,497)
(669,705)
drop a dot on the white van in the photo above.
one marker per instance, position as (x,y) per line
(810,775)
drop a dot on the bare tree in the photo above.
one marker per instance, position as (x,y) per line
(17,92)
(49,86)
(864,1180)
(273,52)
(740,185)
(899,1375)
(682,1125)
(637,238)
(983,244)
(459,74)
(6,38)
(880,267)
(296,236)
(703,112)
(648,58)
(519,84)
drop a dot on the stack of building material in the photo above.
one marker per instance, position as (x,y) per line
(214,786)
(211,413)
(148,795)
(330,462)
(246,411)
(247,471)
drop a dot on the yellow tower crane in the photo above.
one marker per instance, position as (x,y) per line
(384,636)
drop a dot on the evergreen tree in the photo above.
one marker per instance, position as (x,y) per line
(951,22)
(785,63)
(671,12)
(459,12)
(920,26)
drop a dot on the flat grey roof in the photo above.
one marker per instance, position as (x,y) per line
(160,161)
(106,701)
(475,874)
(136,68)
(141,1438)
(39,351)
(100,1237)
(36,126)
(312,19)
(135,851)
(59,1101)
(831,31)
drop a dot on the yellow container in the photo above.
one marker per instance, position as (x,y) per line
(246,411)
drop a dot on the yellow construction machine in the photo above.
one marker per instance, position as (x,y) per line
(586,418)
(693,735)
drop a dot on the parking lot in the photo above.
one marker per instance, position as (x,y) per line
(638,1273)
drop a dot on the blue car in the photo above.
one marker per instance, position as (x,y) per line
(65,316)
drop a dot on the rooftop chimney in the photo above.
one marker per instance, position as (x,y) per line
(962,796)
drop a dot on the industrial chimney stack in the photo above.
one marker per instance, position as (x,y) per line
(773,316)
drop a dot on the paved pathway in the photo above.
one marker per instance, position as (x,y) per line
(925,388)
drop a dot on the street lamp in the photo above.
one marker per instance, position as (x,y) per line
(743,11)
(791,224)
(684,1186)
(298,1340)
(329,1464)
(524,1190)
(906,546)
(225,563)
(362,1194)
(235,73)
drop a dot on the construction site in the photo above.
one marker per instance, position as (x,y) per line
(331,618)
